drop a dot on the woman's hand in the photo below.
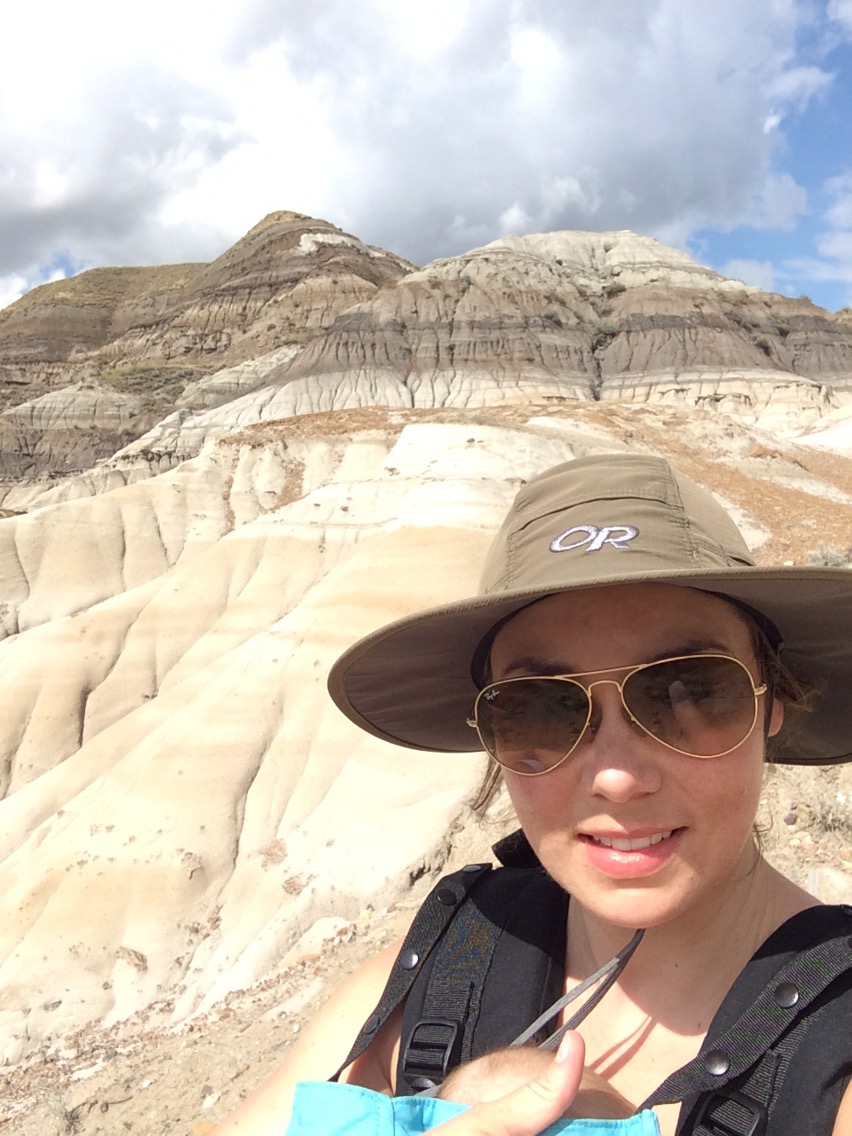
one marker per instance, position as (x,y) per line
(531,1108)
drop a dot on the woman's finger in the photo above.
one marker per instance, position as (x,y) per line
(530,1109)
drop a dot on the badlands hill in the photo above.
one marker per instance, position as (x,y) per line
(299,318)
(89,363)
(217,477)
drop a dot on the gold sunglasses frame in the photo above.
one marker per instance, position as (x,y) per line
(757,691)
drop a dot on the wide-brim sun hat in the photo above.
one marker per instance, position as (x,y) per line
(598,522)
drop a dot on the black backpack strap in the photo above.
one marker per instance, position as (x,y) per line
(749,1109)
(810,1089)
(429,924)
(437,1041)
(730,1087)
(498,965)
(456,990)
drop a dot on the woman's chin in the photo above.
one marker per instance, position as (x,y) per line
(646,904)
(633,913)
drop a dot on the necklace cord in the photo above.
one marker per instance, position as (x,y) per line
(610,972)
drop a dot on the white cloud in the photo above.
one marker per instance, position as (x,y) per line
(11,289)
(779,203)
(839,213)
(423,31)
(537,62)
(833,242)
(810,268)
(796,86)
(837,246)
(514,220)
(426,126)
(562,193)
(841,11)
(771,122)
(653,117)
(759,273)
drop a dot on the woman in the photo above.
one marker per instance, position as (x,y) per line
(635,778)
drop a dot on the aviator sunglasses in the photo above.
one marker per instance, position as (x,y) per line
(697,705)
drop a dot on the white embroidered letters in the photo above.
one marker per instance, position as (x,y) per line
(594,538)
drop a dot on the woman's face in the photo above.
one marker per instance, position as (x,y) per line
(689,820)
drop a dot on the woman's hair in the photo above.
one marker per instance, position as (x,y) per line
(781,683)
(797,696)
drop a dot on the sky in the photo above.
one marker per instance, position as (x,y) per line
(154,133)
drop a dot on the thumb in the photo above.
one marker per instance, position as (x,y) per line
(531,1108)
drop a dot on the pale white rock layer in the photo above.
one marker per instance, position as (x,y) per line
(230,382)
(627,257)
(771,400)
(831,432)
(78,406)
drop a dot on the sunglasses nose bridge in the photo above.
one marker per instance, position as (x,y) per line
(619,686)
(594,704)
(589,686)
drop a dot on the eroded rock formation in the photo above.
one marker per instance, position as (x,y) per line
(300,318)
(153,337)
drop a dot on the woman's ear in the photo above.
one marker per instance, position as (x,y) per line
(776,717)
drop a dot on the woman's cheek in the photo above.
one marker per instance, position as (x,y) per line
(544,808)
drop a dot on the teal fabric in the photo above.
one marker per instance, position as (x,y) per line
(325,1108)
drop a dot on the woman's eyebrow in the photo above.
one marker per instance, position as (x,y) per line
(692,647)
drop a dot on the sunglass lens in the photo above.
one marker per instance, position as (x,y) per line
(704,706)
(529,724)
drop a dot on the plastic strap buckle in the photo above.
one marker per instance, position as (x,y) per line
(432,1050)
(729,1113)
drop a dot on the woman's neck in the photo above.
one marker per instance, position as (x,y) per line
(683,968)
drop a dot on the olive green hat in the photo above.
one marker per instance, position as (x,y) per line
(598,521)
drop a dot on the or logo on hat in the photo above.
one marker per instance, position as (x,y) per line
(594,538)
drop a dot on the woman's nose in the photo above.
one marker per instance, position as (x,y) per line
(619,762)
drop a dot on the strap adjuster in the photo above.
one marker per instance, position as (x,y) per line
(433,1049)
(729,1113)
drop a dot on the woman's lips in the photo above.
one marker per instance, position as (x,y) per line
(631,857)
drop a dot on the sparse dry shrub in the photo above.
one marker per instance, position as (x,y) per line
(743,319)
(604,333)
(830,556)
(834,815)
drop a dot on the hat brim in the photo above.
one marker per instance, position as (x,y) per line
(409,683)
